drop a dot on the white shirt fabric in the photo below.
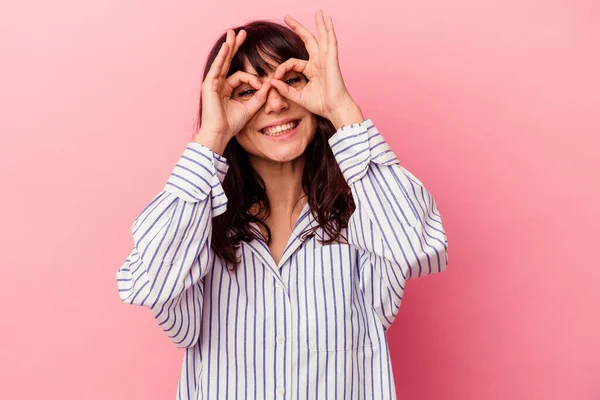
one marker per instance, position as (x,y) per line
(311,327)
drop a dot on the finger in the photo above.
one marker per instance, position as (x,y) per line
(239,39)
(259,98)
(233,43)
(309,40)
(240,77)
(292,64)
(286,91)
(215,68)
(333,44)
(230,40)
(322,30)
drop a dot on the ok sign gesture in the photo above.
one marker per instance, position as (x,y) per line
(325,94)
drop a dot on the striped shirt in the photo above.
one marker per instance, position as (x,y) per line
(311,327)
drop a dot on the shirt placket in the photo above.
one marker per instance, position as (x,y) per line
(283,332)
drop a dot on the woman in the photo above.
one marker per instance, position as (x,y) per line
(277,252)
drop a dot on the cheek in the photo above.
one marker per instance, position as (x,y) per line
(243,140)
(249,142)
(245,134)
(312,129)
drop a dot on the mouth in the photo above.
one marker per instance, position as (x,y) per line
(282,132)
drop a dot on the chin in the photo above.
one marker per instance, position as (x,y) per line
(282,154)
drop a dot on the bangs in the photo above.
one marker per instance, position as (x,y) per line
(267,43)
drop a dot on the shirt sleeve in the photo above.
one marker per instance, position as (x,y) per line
(396,222)
(172,238)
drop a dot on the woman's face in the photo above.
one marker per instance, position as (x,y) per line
(282,144)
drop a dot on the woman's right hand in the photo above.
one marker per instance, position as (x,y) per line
(222,116)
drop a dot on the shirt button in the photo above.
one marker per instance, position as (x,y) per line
(280,339)
(278,286)
(280,391)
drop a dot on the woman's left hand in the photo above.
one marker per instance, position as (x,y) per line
(325,94)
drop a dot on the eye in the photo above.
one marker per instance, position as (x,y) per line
(289,81)
(246,92)
(292,80)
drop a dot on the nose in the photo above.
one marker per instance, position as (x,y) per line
(275,102)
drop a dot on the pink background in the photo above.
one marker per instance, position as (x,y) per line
(492,104)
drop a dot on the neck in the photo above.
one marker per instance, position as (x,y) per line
(283,182)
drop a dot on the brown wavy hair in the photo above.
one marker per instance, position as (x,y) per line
(329,195)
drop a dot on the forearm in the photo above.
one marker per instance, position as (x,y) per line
(396,210)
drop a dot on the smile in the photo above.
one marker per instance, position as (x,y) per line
(281,130)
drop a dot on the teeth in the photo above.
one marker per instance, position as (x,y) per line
(281,129)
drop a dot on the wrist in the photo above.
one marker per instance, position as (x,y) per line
(214,142)
(349,113)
